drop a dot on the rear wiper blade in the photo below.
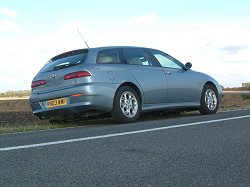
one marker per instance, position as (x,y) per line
(63,66)
(59,67)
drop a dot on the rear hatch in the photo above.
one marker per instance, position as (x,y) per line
(57,73)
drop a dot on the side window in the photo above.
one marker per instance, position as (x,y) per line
(137,56)
(165,60)
(109,56)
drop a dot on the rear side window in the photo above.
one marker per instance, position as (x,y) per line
(109,56)
(65,60)
(137,56)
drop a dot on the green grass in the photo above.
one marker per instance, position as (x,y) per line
(245,96)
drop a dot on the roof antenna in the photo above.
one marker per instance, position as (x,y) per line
(82,37)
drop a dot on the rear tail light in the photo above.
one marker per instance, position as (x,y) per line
(78,74)
(38,83)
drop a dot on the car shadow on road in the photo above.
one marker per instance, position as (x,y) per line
(106,119)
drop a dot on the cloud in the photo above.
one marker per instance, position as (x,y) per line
(9,26)
(208,45)
(198,42)
(232,49)
(7,12)
(22,57)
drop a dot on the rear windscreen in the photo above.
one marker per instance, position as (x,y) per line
(65,60)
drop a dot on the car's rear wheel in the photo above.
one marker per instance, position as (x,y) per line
(209,100)
(127,105)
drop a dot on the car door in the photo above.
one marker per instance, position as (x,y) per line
(151,78)
(183,85)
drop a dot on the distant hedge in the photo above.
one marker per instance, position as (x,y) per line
(18,94)
(236,89)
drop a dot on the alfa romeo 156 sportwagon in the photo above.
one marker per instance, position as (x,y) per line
(122,81)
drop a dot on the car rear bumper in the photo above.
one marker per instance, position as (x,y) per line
(80,99)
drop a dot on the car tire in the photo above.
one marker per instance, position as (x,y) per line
(127,105)
(209,100)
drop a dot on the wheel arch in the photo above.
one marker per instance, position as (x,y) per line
(213,85)
(117,112)
(135,87)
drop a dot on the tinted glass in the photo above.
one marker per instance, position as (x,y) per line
(65,60)
(109,56)
(166,60)
(137,56)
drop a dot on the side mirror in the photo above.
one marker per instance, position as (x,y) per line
(188,65)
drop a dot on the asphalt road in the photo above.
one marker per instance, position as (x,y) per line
(211,150)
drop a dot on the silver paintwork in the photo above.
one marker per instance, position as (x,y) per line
(157,87)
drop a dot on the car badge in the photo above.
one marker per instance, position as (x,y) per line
(53,75)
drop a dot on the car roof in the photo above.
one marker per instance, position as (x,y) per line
(96,49)
(105,47)
(113,47)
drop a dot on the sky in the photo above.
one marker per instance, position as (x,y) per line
(214,35)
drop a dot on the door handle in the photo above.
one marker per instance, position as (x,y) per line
(168,72)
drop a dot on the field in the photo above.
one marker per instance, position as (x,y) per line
(16,115)
(235,102)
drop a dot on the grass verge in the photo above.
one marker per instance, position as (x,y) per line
(235,102)
(16,116)
(10,128)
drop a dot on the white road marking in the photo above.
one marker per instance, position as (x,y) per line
(118,134)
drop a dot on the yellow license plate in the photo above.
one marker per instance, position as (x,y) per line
(56,102)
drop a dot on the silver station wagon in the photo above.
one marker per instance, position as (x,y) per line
(122,81)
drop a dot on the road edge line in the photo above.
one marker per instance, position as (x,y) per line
(119,134)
